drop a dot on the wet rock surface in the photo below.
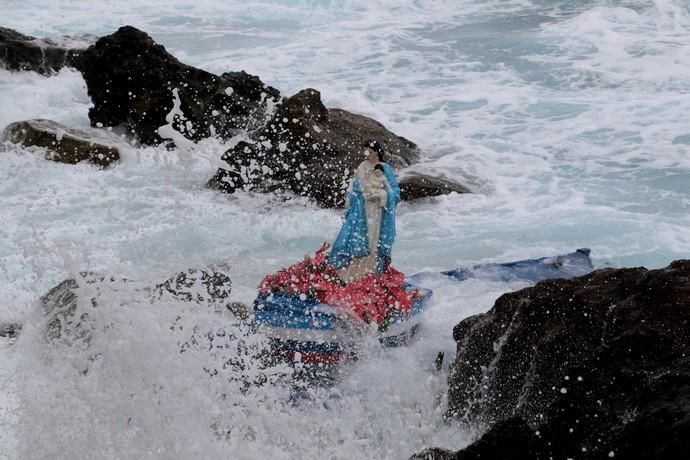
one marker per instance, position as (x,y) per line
(295,145)
(21,52)
(418,185)
(311,151)
(596,366)
(131,79)
(65,145)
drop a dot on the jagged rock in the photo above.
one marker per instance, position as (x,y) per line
(68,318)
(65,145)
(310,150)
(45,56)
(597,366)
(417,185)
(131,78)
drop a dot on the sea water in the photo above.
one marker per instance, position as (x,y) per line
(567,118)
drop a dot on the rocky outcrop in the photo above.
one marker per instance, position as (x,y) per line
(68,316)
(131,79)
(295,145)
(45,56)
(418,185)
(596,366)
(310,150)
(65,145)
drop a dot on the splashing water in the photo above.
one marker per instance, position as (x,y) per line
(569,117)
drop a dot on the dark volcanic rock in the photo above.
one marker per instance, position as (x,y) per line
(417,185)
(45,56)
(597,365)
(311,151)
(303,148)
(65,145)
(131,79)
(308,150)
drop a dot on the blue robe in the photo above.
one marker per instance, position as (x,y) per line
(352,241)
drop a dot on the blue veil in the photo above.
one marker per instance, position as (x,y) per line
(352,241)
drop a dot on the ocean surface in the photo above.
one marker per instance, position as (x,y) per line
(569,120)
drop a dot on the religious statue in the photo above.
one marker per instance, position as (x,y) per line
(366,238)
(356,276)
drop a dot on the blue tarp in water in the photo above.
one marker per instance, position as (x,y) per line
(570,265)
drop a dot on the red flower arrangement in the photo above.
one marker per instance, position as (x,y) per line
(371,298)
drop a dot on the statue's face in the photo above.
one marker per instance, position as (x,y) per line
(371,155)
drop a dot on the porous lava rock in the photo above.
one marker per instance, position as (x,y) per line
(134,84)
(417,185)
(597,366)
(21,52)
(312,151)
(65,145)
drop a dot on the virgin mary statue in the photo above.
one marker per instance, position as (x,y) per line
(364,243)
(356,276)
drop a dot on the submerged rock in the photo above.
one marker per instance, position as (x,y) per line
(10,330)
(85,314)
(596,366)
(45,56)
(131,79)
(311,151)
(68,316)
(65,145)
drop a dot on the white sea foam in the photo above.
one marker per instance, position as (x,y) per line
(570,118)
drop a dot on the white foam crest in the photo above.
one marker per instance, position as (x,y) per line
(27,95)
(8,399)
(627,47)
(128,391)
(136,385)
(102,17)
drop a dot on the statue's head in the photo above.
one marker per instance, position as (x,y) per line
(373,146)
